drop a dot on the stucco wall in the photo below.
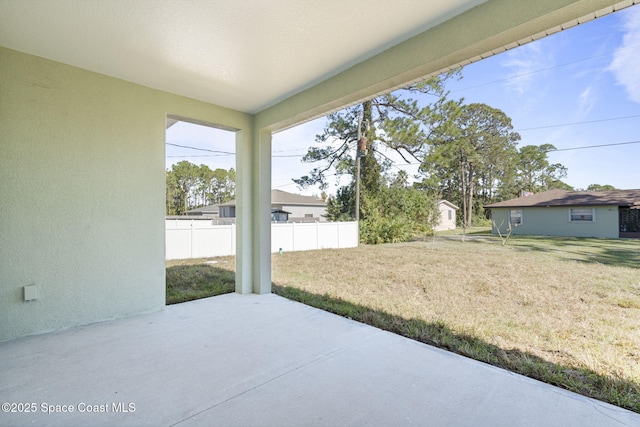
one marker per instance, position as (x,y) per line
(300,211)
(82,193)
(446,223)
(554,221)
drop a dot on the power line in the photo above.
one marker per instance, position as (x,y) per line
(288,151)
(558,149)
(290,155)
(203,155)
(595,146)
(294,183)
(517,76)
(526,129)
(579,123)
(229,153)
(200,149)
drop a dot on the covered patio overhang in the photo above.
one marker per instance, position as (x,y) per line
(87,88)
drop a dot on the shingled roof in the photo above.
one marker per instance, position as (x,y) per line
(279,197)
(628,198)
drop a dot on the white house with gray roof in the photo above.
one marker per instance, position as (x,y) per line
(286,206)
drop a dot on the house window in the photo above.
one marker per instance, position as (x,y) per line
(582,215)
(228,212)
(515,217)
(450,212)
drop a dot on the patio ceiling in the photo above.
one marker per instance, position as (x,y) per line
(244,54)
(249,55)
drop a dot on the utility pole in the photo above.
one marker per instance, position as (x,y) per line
(361,150)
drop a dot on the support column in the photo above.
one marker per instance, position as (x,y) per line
(253,211)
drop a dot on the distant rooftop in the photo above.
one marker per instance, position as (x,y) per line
(626,198)
(209,209)
(279,197)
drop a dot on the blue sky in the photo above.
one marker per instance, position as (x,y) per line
(576,88)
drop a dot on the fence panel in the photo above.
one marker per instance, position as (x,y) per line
(282,237)
(186,239)
(347,234)
(213,241)
(177,243)
(305,236)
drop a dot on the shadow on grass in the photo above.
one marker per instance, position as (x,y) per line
(617,253)
(616,391)
(189,282)
(459,232)
(620,253)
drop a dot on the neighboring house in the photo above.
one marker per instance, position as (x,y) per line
(447,216)
(287,207)
(209,211)
(605,214)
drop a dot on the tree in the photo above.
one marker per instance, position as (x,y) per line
(184,176)
(535,173)
(393,121)
(598,187)
(396,214)
(204,190)
(174,199)
(556,184)
(341,207)
(190,186)
(467,152)
(401,179)
(222,186)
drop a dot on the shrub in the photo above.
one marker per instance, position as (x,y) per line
(375,230)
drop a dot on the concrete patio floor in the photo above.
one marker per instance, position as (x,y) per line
(261,360)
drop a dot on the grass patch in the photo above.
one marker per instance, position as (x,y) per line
(192,279)
(470,231)
(564,311)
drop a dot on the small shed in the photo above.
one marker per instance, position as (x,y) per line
(448,212)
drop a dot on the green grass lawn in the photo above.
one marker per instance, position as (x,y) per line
(562,310)
(194,279)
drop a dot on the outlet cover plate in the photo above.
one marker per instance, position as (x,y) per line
(30,292)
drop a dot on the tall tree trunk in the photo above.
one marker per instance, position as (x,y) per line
(463,185)
(470,196)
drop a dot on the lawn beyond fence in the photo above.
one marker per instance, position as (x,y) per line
(565,311)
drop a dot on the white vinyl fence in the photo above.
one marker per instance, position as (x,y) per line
(201,239)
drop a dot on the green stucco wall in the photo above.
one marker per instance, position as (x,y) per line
(82,193)
(554,221)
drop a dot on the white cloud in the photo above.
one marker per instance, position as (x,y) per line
(288,148)
(586,102)
(524,63)
(625,59)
